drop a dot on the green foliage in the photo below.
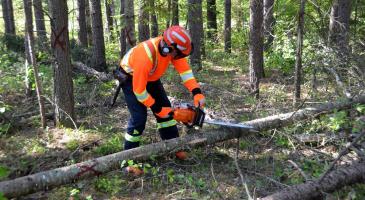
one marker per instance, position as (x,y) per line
(13,42)
(112,145)
(109,185)
(313,167)
(282,141)
(72,145)
(75,193)
(338,120)
(2,197)
(360,108)
(10,73)
(4,172)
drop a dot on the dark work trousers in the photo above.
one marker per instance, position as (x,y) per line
(136,124)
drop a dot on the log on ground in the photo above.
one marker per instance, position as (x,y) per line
(345,175)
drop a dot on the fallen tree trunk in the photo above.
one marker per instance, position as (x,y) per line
(49,179)
(90,72)
(345,175)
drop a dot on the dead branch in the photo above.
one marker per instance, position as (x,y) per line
(90,72)
(346,175)
(342,153)
(243,180)
(305,176)
(339,82)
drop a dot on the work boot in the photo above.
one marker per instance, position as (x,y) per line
(181,155)
(136,171)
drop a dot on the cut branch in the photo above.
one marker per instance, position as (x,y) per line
(52,178)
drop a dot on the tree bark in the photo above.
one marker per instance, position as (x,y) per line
(88,23)
(339,25)
(212,20)
(39,22)
(8,15)
(269,23)
(30,56)
(168,17)
(299,51)
(122,36)
(63,85)
(109,7)
(227,26)
(143,21)
(195,25)
(52,178)
(256,46)
(82,35)
(175,12)
(129,28)
(345,175)
(154,22)
(98,59)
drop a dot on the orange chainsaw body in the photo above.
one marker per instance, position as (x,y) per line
(189,115)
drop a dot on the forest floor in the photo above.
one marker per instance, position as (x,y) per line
(210,172)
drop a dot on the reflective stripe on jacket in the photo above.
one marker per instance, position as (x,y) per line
(145,63)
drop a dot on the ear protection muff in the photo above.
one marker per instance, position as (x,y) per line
(166,49)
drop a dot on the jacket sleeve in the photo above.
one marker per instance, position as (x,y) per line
(186,74)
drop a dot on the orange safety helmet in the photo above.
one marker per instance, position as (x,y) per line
(179,38)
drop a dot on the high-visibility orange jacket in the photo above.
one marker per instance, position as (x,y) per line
(145,63)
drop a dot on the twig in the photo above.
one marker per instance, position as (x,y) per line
(339,82)
(300,170)
(54,104)
(342,153)
(215,180)
(240,172)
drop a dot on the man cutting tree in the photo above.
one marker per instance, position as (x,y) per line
(144,65)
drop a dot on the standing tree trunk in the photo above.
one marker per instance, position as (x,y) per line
(298,58)
(8,16)
(256,45)
(122,36)
(30,56)
(227,26)
(269,23)
(39,22)
(88,23)
(339,25)
(143,25)
(98,59)
(168,17)
(63,85)
(175,12)
(195,24)
(129,28)
(82,35)
(212,20)
(154,22)
(109,6)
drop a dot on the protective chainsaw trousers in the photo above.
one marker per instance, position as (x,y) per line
(136,124)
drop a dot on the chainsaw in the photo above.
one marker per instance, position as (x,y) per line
(192,116)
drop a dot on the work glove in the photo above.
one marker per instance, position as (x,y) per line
(199,100)
(162,112)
